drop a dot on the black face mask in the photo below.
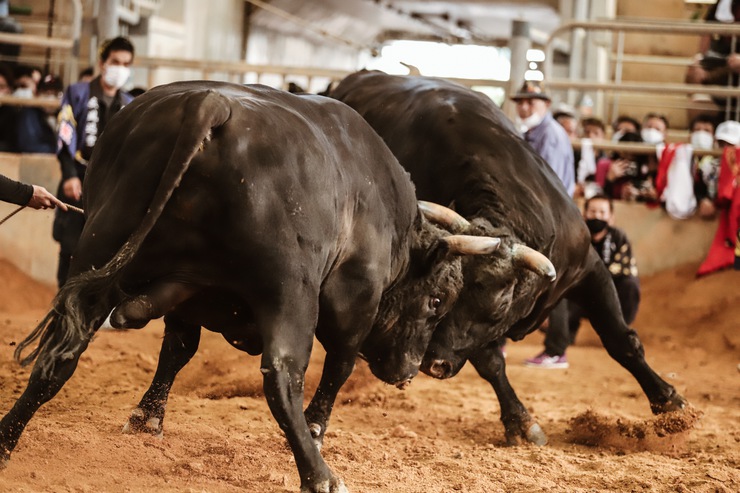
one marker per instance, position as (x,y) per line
(596,225)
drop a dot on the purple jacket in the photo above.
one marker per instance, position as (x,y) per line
(553,145)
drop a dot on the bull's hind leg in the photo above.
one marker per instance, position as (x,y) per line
(518,424)
(42,386)
(178,346)
(598,296)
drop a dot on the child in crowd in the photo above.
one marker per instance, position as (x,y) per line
(615,250)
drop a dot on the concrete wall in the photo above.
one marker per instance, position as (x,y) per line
(659,242)
(25,239)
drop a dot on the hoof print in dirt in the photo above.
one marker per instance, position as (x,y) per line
(140,423)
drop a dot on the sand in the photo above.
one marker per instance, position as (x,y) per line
(436,436)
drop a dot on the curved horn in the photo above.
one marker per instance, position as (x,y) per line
(412,69)
(472,245)
(534,261)
(442,215)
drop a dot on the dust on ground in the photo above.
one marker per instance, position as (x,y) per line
(437,436)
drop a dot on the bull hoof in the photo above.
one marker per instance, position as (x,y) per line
(138,422)
(674,403)
(333,485)
(536,436)
(519,435)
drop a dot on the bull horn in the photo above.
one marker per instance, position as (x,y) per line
(472,245)
(442,215)
(534,261)
(412,69)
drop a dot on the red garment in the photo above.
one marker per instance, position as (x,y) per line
(722,252)
(661,180)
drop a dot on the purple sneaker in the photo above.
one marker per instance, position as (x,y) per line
(544,360)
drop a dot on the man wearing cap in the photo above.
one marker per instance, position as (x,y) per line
(544,134)
(548,138)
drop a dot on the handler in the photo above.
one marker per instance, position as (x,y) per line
(33,196)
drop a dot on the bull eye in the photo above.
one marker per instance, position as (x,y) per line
(434,302)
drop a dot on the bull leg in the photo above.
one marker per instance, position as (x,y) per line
(178,346)
(598,296)
(490,364)
(338,366)
(41,389)
(284,363)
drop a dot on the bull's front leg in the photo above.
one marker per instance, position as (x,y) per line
(284,363)
(42,387)
(338,366)
(518,424)
(178,346)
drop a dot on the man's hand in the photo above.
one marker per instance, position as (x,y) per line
(43,199)
(733,62)
(73,188)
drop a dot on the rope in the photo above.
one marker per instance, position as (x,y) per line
(69,207)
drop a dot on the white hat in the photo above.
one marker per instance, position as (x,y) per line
(729,132)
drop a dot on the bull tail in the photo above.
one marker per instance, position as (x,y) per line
(84,301)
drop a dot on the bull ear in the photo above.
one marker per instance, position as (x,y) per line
(442,215)
(472,245)
(533,260)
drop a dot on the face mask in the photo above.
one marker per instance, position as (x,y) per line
(116,75)
(701,139)
(531,121)
(596,225)
(617,135)
(651,136)
(23,92)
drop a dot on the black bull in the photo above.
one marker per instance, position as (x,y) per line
(267,217)
(460,148)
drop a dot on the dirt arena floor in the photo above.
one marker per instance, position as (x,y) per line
(433,437)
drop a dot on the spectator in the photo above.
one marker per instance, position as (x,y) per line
(706,168)
(566,117)
(624,172)
(86,74)
(724,250)
(544,134)
(654,128)
(624,125)
(26,81)
(551,142)
(588,161)
(718,61)
(7,113)
(33,196)
(614,249)
(36,130)
(86,107)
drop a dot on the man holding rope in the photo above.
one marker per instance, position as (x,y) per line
(22,194)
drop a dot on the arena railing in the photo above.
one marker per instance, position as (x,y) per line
(617,85)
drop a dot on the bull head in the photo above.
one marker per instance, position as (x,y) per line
(520,254)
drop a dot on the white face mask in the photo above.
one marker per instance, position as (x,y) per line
(617,135)
(23,92)
(116,75)
(701,139)
(651,136)
(531,121)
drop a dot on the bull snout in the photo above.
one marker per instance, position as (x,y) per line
(440,368)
